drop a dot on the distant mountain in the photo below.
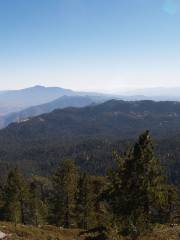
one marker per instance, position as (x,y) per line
(85,134)
(156,93)
(62,102)
(16,100)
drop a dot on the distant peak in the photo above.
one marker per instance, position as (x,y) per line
(38,86)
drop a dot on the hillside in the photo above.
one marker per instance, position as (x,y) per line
(116,119)
(88,135)
(62,102)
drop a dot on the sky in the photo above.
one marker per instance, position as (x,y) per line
(102,45)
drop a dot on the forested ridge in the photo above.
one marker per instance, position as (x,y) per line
(89,135)
(62,102)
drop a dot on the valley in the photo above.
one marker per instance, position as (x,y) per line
(83,134)
(89,120)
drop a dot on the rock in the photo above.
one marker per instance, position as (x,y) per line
(2,235)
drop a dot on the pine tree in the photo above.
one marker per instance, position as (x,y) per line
(64,189)
(137,188)
(1,200)
(16,198)
(38,208)
(84,202)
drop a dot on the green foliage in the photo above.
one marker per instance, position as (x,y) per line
(137,189)
(16,197)
(64,190)
(84,202)
(69,200)
(136,195)
(38,207)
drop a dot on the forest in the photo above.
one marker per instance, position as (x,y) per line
(129,201)
(89,135)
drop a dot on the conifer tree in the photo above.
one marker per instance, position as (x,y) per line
(64,189)
(137,188)
(16,198)
(38,208)
(1,200)
(84,202)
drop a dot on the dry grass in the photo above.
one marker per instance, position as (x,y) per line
(164,232)
(21,232)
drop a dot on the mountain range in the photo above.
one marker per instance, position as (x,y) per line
(15,105)
(46,125)
(156,93)
(86,134)
(62,102)
(16,100)
(116,118)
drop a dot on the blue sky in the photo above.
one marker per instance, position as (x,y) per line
(90,44)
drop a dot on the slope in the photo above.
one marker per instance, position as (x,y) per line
(88,135)
(62,102)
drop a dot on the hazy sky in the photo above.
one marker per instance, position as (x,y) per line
(89,44)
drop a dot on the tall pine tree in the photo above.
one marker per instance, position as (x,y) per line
(84,202)
(137,188)
(38,207)
(63,197)
(16,198)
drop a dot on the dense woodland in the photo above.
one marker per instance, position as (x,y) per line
(129,200)
(89,135)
